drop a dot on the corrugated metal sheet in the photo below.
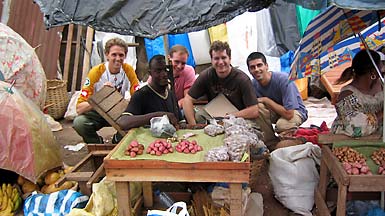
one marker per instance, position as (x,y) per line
(27,20)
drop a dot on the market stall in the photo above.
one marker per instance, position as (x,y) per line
(334,165)
(172,167)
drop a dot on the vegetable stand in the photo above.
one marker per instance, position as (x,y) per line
(332,167)
(174,167)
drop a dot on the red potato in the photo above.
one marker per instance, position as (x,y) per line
(187,147)
(355,171)
(159,147)
(364,169)
(134,149)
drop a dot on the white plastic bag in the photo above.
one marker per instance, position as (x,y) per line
(294,176)
(172,211)
(71,108)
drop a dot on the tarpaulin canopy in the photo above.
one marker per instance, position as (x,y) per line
(27,144)
(146,18)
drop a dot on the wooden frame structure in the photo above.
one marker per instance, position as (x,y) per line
(331,167)
(147,171)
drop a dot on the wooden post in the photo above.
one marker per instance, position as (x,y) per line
(165,45)
(87,53)
(235,199)
(67,58)
(76,62)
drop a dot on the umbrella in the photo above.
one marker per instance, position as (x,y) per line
(345,50)
(19,62)
(359,4)
(146,18)
(27,144)
(325,30)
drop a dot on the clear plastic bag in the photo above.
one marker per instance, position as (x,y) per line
(237,145)
(217,154)
(161,127)
(232,120)
(213,130)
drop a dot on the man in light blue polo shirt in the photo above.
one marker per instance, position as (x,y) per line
(280,96)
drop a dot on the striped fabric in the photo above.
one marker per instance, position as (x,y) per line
(54,204)
(324,31)
(344,51)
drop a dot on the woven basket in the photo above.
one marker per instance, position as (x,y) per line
(57,98)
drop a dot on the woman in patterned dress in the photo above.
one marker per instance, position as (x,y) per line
(360,104)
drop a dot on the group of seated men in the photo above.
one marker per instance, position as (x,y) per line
(269,98)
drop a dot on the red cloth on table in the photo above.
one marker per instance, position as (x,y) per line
(311,134)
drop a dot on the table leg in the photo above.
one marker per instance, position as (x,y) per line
(123,197)
(341,200)
(324,179)
(147,194)
(235,199)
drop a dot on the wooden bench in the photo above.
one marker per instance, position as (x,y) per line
(110,104)
(330,77)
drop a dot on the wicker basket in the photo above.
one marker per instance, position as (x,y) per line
(57,98)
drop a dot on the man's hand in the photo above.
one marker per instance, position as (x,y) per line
(109,84)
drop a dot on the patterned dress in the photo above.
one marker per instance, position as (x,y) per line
(357,113)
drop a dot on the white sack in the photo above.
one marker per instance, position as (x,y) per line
(294,176)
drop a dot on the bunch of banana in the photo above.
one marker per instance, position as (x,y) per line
(10,200)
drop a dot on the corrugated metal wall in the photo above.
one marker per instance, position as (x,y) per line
(27,20)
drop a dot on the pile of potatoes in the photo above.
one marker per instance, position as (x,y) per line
(353,162)
(159,147)
(134,148)
(378,157)
(188,147)
(45,184)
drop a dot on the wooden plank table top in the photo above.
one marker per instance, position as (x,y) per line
(122,171)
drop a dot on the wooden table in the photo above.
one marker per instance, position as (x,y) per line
(147,171)
(330,166)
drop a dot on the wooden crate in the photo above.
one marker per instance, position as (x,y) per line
(331,167)
(86,178)
(110,104)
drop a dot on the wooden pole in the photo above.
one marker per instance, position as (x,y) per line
(87,53)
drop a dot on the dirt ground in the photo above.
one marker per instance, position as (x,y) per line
(262,183)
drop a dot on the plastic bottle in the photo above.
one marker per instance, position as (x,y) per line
(165,200)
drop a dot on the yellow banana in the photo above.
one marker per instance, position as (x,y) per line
(4,203)
(1,192)
(8,209)
(15,195)
(4,188)
(9,190)
(17,204)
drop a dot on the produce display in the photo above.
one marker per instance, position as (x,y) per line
(10,200)
(188,147)
(353,162)
(378,157)
(134,148)
(159,147)
(239,137)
